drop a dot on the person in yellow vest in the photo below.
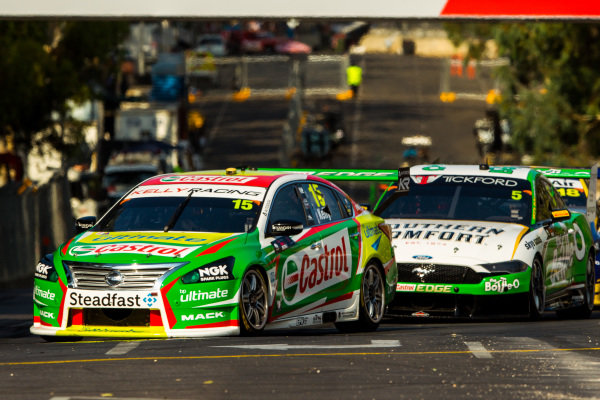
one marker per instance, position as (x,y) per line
(354,78)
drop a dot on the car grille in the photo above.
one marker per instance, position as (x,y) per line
(437,273)
(134,277)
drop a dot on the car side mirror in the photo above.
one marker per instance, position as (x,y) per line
(285,228)
(560,215)
(84,223)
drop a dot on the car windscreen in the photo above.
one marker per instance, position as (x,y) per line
(462,198)
(193,214)
(573,192)
(130,178)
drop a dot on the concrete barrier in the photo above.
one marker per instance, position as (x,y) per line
(32,224)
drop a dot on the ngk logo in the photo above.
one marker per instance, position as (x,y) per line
(305,274)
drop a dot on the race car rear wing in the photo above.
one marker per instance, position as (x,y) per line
(400,177)
(578,173)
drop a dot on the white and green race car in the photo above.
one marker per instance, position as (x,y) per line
(479,240)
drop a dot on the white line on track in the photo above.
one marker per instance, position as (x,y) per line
(478,350)
(122,348)
(283,346)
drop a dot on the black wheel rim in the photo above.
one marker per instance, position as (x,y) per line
(373,294)
(254,300)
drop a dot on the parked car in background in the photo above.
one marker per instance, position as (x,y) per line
(289,46)
(213,44)
(219,253)
(258,42)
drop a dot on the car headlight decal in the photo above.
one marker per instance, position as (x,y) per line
(508,267)
(219,270)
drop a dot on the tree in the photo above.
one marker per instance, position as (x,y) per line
(45,65)
(550,87)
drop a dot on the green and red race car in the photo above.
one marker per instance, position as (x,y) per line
(219,253)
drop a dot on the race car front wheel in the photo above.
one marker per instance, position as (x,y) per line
(372,302)
(254,306)
(537,291)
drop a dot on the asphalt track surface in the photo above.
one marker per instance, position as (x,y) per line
(404,359)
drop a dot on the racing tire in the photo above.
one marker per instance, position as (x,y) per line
(584,310)
(253,304)
(372,302)
(537,291)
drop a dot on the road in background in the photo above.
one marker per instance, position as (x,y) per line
(400,96)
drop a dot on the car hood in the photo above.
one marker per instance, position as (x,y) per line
(454,242)
(143,247)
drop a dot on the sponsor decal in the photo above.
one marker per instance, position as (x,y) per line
(282,243)
(132,248)
(203,316)
(530,244)
(46,314)
(307,275)
(577,240)
(350,173)
(113,237)
(566,184)
(480,179)
(199,295)
(42,270)
(371,230)
(432,288)
(424,179)
(406,287)
(44,294)
(149,299)
(420,257)
(404,180)
(302,321)
(434,168)
(443,232)
(216,272)
(501,285)
(207,179)
(112,299)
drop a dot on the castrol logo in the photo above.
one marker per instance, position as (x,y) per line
(305,274)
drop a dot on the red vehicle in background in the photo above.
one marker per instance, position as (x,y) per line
(257,42)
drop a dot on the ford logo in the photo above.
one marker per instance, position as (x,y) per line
(422,257)
(114,278)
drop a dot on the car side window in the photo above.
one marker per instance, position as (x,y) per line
(323,202)
(287,206)
(544,201)
(556,202)
(347,209)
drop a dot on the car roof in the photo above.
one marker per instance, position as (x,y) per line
(229,176)
(517,172)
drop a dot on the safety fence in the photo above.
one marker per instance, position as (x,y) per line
(34,223)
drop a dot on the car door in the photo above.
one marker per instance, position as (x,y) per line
(330,274)
(558,254)
(292,251)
